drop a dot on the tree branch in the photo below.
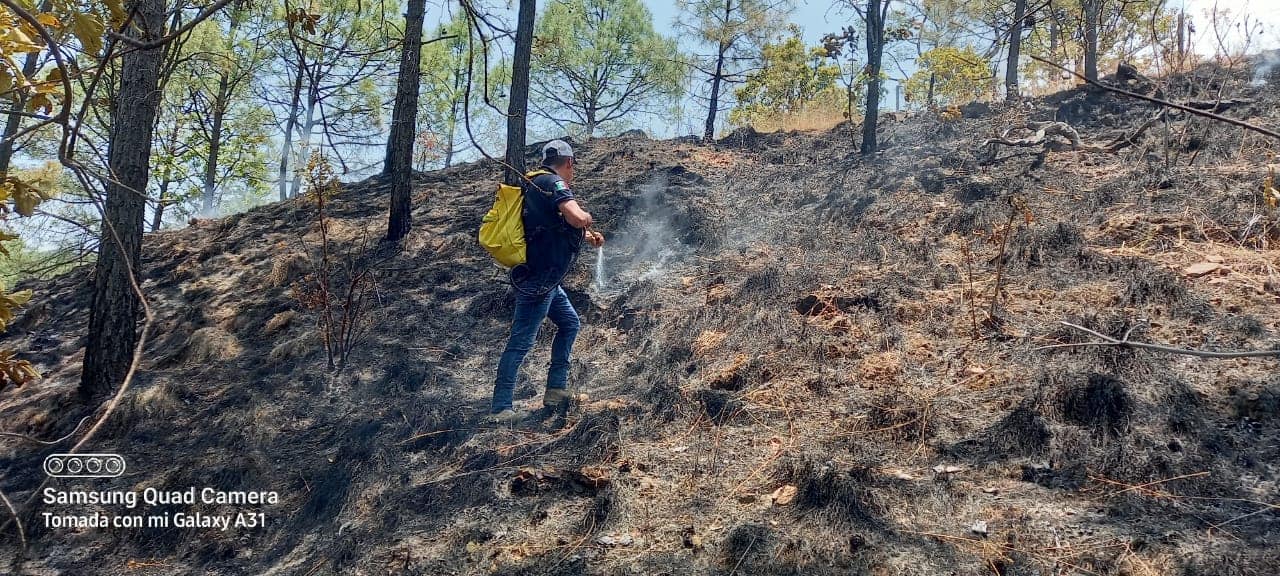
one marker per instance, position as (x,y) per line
(1175,105)
(1126,343)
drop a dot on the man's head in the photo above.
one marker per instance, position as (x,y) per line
(558,156)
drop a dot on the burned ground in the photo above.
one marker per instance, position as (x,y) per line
(791,367)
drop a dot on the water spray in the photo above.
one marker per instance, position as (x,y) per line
(600,268)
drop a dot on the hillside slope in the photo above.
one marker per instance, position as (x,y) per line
(788,368)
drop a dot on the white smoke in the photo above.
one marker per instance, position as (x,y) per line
(647,247)
(1267,61)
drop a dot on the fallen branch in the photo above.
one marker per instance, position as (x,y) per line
(1042,130)
(1126,342)
(1153,100)
(22,534)
(47,442)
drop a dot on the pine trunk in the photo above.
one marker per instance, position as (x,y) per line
(404,120)
(709,133)
(157,217)
(453,117)
(1015,49)
(215,146)
(308,128)
(875,52)
(289,126)
(1092,20)
(113,317)
(514,170)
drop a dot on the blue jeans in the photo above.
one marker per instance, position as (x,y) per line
(530,310)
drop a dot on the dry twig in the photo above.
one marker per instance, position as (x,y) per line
(22,534)
(1125,342)
(47,442)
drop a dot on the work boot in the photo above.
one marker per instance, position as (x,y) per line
(555,398)
(508,417)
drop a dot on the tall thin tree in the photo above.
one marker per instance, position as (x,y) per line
(874,15)
(1092,22)
(1015,50)
(734,30)
(404,117)
(519,104)
(114,314)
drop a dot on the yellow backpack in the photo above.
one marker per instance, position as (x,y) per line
(502,230)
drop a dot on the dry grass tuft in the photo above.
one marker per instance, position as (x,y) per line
(287,268)
(211,344)
(811,120)
(278,322)
(707,342)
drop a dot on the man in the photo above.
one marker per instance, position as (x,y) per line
(554,227)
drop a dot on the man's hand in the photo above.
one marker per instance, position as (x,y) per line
(593,238)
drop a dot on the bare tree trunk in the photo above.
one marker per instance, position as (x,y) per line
(1015,49)
(453,116)
(15,120)
(590,125)
(166,179)
(1092,20)
(157,217)
(215,145)
(113,316)
(404,119)
(1182,37)
(519,103)
(875,53)
(308,128)
(220,104)
(289,126)
(709,133)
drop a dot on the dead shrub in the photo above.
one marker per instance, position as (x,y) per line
(1256,401)
(840,495)
(664,398)
(719,405)
(1060,240)
(975,217)
(1102,403)
(594,439)
(340,283)
(1019,434)
(1152,285)
(744,540)
(901,418)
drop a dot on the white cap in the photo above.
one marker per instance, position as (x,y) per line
(556,148)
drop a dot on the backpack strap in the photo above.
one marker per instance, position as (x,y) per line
(536,172)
